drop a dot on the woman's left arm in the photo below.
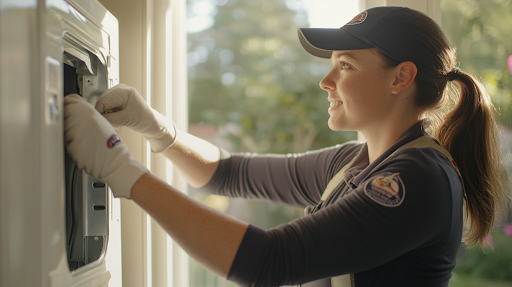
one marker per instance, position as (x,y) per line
(207,235)
(210,237)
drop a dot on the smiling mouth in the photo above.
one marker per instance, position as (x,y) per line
(335,103)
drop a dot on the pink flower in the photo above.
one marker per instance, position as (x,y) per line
(508,229)
(510,63)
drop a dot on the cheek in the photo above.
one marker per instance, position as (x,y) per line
(365,92)
(356,92)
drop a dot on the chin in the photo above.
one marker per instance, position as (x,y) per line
(340,125)
(335,126)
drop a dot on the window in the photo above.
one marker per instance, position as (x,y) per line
(253,88)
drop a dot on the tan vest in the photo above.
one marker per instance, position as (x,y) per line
(347,280)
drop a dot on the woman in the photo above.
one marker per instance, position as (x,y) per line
(391,213)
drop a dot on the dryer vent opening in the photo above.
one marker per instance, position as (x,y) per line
(86,197)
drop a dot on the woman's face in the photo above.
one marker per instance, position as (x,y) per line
(359,90)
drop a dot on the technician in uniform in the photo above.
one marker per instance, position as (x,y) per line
(386,212)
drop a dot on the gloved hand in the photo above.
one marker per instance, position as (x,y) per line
(94,145)
(122,106)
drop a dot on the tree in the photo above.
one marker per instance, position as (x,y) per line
(255,80)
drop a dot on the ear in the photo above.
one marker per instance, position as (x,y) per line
(405,74)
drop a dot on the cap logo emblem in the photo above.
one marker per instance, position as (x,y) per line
(358,19)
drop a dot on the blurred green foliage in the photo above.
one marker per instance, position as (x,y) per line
(465,280)
(493,263)
(482,32)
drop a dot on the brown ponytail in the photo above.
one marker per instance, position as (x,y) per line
(463,123)
(469,133)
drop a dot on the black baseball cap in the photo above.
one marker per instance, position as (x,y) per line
(385,28)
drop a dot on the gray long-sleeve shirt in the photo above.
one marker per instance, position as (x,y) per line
(399,224)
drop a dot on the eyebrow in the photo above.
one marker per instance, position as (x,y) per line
(338,54)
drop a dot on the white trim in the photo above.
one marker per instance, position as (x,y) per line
(177,66)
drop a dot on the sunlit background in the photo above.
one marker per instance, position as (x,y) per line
(315,14)
(252,88)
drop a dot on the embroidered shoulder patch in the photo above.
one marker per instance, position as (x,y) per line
(386,189)
(358,19)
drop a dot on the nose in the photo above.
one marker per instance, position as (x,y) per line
(328,83)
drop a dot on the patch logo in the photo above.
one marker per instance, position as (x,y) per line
(358,19)
(113,141)
(386,189)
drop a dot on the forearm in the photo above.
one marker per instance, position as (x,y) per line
(210,237)
(196,159)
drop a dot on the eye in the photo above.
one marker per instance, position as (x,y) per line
(345,65)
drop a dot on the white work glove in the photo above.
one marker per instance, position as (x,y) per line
(94,145)
(123,106)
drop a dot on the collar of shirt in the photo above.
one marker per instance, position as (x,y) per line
(359,169)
